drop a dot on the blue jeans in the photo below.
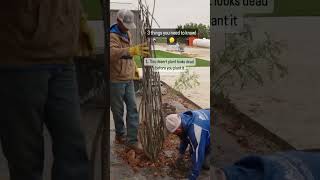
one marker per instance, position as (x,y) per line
(31,97)
(293,165)
(120,93)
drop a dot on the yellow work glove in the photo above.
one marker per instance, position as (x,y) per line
(87,45)
(139,50)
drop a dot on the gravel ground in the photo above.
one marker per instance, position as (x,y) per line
(232,140)
(120,168)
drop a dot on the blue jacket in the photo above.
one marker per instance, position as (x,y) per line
(115,29)
(294,165)
(196,128)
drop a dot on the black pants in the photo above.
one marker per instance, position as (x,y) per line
(34,97)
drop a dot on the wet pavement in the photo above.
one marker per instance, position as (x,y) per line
(288,107)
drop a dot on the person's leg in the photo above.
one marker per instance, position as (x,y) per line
(117,91)
(22,99)
(132,114)
(63,122)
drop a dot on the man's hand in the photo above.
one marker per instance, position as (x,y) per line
(179,161)
(140,50)
(86,39)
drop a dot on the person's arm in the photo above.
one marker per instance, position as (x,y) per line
(198,154)
(116,51)
(183,146)
(87,44)
(182,149)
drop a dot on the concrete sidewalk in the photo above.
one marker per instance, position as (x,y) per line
(200,94)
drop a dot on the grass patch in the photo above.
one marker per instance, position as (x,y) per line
(163,54)
(293,8)
(138,61)
(92,8)
(161,39)
(297,7)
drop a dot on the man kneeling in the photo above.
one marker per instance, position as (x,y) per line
(193,128)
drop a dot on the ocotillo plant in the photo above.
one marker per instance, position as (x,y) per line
(245,59)
(151,130)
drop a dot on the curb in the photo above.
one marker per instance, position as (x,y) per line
(257,128)
(181,95)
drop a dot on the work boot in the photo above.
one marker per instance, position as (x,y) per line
(137,147)
(120,139)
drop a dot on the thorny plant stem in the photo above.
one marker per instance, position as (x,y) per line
(151,130)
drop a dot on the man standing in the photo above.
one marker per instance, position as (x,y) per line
(122,74)
(38,87)
(193,128)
